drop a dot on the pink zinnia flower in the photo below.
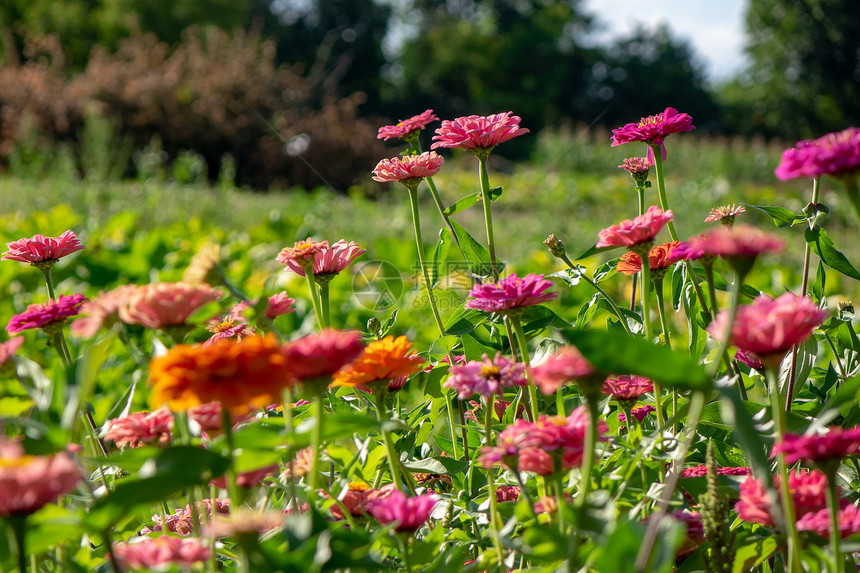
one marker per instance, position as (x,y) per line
(180,521)
(627,387)
(407,129)
(725,214)
(486,377)
(206,417)
(227,329)
(160,305)
(660,258)
(654,128)
(159,553)
(458,359)
(48,316)
(301,254)
(42,251)
(769,327)
(700,471)
(244,521)
(511,294)
(358,497)
(139,428)
(836,154)
(318,356)
(478,132)
(507,493)
(742,241)
(818,522)
(636,166)
(568,365)
(29,482)
(409,513)
(750,359)
(277,305)
(632,232)
(640,413)
(808,495)
(694,529)
(836,444)
(8,348)
(408,169)
(330,260)
(248,479)
(102,311)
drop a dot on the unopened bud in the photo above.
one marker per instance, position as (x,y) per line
(555,246)
(373,325)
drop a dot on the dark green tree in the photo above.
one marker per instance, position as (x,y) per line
(804,78)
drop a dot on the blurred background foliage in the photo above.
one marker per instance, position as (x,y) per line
(267,92)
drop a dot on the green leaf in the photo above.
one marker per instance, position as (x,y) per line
(820,283)
(735,414)
(464,321)
(438,465)
(440,253)
(829,254)
(618,353)
(593,250)
(753,553)
(781,216)
(478,257)
(463,203)
(495,193)
(571,277)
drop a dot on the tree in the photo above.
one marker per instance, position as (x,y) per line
(804,79)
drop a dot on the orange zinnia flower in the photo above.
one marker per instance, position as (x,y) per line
(382,360)
(241,375)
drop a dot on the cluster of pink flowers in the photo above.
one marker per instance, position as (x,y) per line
(567,365)
(161,305)
(511,294)
(544,447)
(41,249)
(329,260)
(478,132)
(834,154)
(27,483)
(770,327)
(407,129)
(180,522)
(358,498)
(51,314)
(818,522)
(639,412)
(409,513)
(486,377)
(699,471)
(836,444)
(637,231)
(808,493)
(159,553)
(626,387)
(408,169)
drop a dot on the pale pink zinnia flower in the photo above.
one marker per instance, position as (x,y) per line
(627,387)
(836,444)
(318,356)
(49,316)
(835,154)
(636,166)
(408,169)
(725,214)
(29,482)
(476,132)
(181,521)
(568,365)
(486,377)
(8,348)
(101,311)
(330,260)
(302,253)
(358,497)
(139,428)
(770,327)
(160,305)
(42,251)
(654,128)
(742,241)
(162,552)
(244,521)
(407,129)
(636,231)
(409,513)
(248,479)
(206,418)
(511,294)
(277,305)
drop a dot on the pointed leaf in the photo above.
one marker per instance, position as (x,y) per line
(440,253)
(829,254)
(478,256)
(781,216)
(593,250)
(463,203)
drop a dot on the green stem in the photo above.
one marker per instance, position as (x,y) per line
(664,324)
(230,474)
(416,146)
(712,289)
(314,293)
(491,483)
(450,410)
(835,355)
(393,458)
(406,561)
(835,533)
(49,283)
(559,496)
(19,528)
(640,191)
(521,340)
(324,306)
(649,335)
(57,340)
(850,184)
(488,215)
(416,223)
(600,291)
(588,452)
(316,445)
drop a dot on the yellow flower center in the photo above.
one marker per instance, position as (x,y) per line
(490,371)
(18,462)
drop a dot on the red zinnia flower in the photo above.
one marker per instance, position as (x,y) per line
(40,250)
(660,258)
(139,428)
(478,132)
(51,314)
(632,232)
(700,471)
(627,387)
(407,129)
(511,294)
(837,443)
(808,494)
(319,356)
(834,154)
(408,169)
(639,412)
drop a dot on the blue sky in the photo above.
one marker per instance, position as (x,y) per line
(715,28)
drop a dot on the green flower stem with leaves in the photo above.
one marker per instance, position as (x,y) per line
(315,297)
(415,145)
(484,177)
(833,506)
(230,477)
(324,305)
(600,291)
(664,324)
(517,324)
(491,481)
(393,457)
(649,335)
(316,444)
(588,451)
(712,289)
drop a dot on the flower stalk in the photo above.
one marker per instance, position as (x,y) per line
(517,324)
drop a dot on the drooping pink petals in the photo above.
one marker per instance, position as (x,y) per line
(510,294)
(407,128)
(408,169)
(42,249)
(140,428)
(636,231)
(834,154)
(478,132)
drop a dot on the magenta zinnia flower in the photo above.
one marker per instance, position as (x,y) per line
(848,519)
(637,231)
(511,294)
(639,412)
(47,316)
(139,428)
(700,471)
(835,154)
(408,169)
(808,495)
(42,251)
(161,305)
(407,129)
(769,327)
(627,387)
(476,132)
(486,377)
(409,513)
(568,365)
(159,553)
(8,348)
(836,444)
(654,128)
(750,359)
(29,482)
(318,356)
(329,260)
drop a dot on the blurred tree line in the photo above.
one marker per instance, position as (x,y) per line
(394,58)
